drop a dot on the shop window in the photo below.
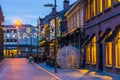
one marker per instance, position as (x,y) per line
(107,4)
(88,54)
(117,49)
(99,6)
(93,47)
(93,8)
(108,53)
(87,10)
(116,1)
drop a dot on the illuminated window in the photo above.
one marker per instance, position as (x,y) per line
(88,10)
(116,1)
(117,49)
(108,47)
(93,8)
(88,53)
(107,3)
(99,6)
(93,53)
(58,27)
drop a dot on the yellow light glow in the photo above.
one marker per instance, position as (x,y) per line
(117,49)
(10,53)
(109,53)
(116,1)
(17,23)
(94,50)
(43,42)
(93,8)
(107,3)
(88,53)
(99,6)
(88,10)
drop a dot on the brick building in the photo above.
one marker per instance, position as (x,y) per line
(1,34)
(102,35)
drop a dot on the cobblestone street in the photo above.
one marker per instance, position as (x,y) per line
(20,69)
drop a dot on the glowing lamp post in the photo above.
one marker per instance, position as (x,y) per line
(17,24)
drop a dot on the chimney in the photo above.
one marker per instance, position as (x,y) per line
(65,3)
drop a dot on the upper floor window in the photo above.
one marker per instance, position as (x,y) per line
(87,9)
(93,51)
(93,8)
(117,49)
(107,4)
(99,6)
(72,24)
(78,19)
(116,1)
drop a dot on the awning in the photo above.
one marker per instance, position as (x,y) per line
(103,36)
(115,32)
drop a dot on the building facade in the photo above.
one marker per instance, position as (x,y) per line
(1,34)
(20,41)
(75,24)
(102,35)
(48,29)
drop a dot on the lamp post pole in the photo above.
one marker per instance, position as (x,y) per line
(37,47)
(55,41)
(55,14)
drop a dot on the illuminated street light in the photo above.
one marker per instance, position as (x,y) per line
(17,23)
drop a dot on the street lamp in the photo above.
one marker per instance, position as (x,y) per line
(17,24)
(51,5)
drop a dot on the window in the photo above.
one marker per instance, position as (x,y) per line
(93,47)
(87,9)
(72,24)
(107,4)
(88,53)
(117,49)
(81,16)
(108,53)
(93,8)
(99,7)
(78,19)
(74,20)
(116,1)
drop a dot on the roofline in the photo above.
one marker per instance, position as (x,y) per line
(77,2)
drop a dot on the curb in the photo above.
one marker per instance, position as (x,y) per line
(47,71)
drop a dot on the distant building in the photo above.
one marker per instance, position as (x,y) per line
(1,34)
(19,41)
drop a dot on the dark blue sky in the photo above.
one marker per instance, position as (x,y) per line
(27,10)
